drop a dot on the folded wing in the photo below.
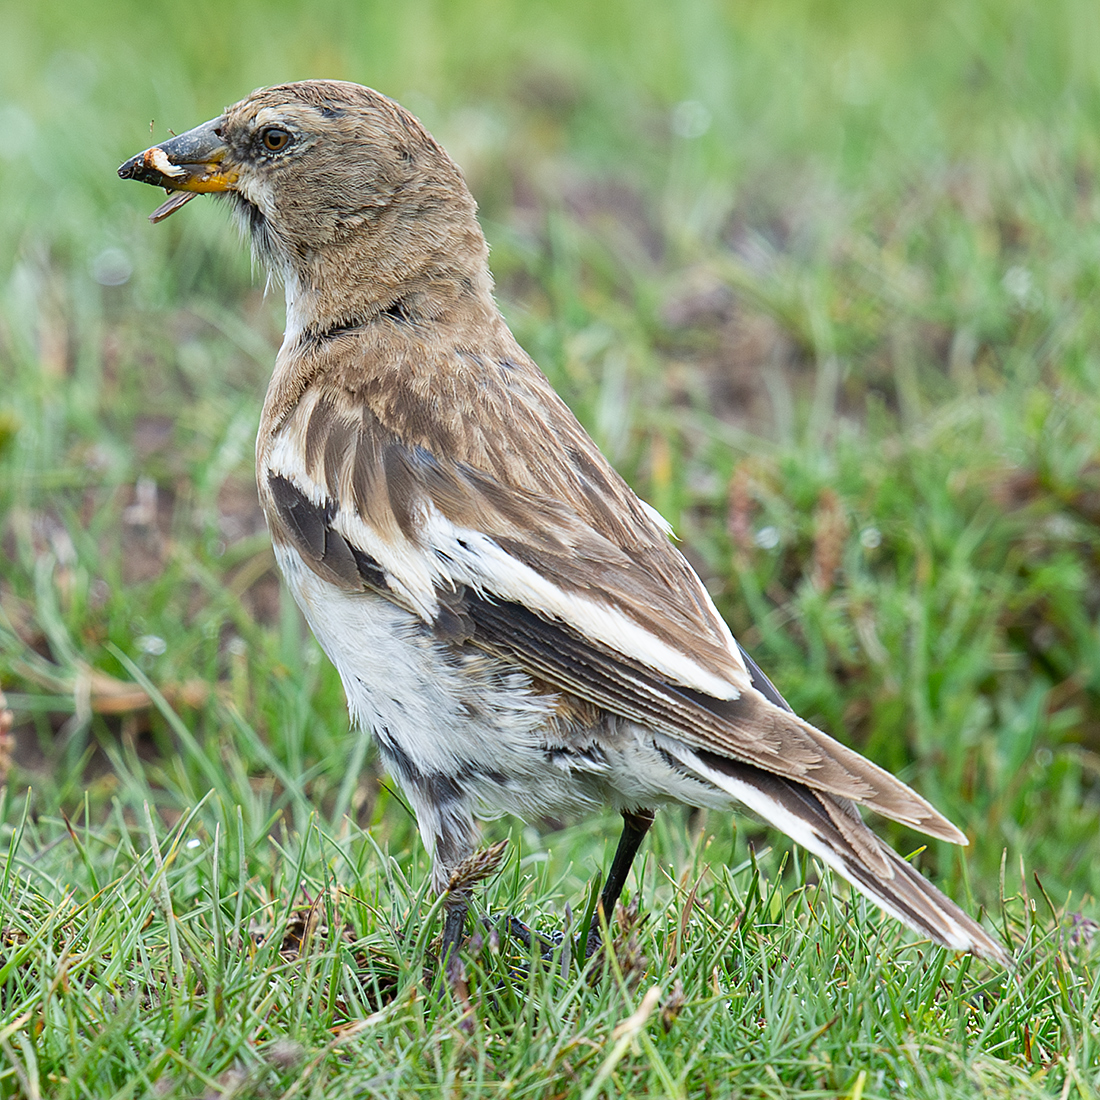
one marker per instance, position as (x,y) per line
(622,622)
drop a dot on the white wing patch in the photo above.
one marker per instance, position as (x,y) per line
(657,518)
(476,560)
(409,571)
(720,624)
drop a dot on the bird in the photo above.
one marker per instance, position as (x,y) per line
(515,626)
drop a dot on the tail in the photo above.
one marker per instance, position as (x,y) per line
(832,829)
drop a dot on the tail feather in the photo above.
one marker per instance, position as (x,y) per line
(831,829)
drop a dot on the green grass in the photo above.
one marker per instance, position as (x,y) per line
(821,279)
(203,960)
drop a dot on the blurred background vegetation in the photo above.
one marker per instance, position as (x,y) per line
(821,278)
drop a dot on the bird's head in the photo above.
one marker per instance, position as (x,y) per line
(345,195)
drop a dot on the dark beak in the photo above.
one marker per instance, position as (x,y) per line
(186,165)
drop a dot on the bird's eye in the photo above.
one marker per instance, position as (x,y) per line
(275,140)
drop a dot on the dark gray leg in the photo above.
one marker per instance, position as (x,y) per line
(465,874)
(635,827)
(454,843)
(454,925)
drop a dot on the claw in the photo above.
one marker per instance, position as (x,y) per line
(527,935)
(548,945)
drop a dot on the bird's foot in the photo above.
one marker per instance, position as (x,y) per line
(546,944)
(550,946)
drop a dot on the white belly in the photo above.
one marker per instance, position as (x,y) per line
(445,711)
